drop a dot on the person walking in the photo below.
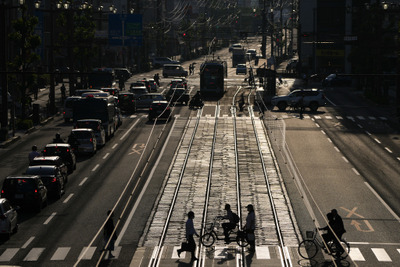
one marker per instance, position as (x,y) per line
(33,154)
(109,234)
(250,227)
(190,231)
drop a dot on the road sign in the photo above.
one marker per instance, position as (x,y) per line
(125,30)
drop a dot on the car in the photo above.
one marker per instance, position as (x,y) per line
(8,218)
(313,99)
(122,73)
(174,70)
(137,84)
(158,62)
(159,109)
(252,53)
(241,69)
(127,103)
(111,91)
(82,91)
(64,151)
(97,128)
(178,94)
(51,161)
(26,191)
(235,46)
(145,83)
(51,177)
(69,107)
(177,82)
(144,101)
(336,80)
(95,94)
(138,91)
(84,141)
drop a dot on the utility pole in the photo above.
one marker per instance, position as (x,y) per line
(264,37)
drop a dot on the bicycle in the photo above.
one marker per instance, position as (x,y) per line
(210,235)
(308,248)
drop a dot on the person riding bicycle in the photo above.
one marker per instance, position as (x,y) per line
(58,139)
(229,225)
(197,101)
(335,231)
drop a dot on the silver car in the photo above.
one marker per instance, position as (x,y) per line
(8,218)
(144,101)
(96,126)
(85,140)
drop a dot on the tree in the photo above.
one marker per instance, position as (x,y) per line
(25,42)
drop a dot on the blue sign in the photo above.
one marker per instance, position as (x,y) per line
(125,30)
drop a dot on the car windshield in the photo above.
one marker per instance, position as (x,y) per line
(53,150)
(43,162)
(82,135)
(20,185)
(87,124)
(40,171)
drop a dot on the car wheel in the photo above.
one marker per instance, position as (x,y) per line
(282,106)
(313,106)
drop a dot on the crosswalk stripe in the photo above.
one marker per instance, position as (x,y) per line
(339,117)
(371,118)
(175,253)
(60,254)
(381,254)
(328,117)
(262,253)
(89,253)
(317,117)
(8,254)
(355,254)
(360,117)
(34,254)
(383,118)
(350,118)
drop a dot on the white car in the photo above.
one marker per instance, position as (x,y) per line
(97,127)
(8,218)
(86,140)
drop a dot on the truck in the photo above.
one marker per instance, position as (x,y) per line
(101,78)
(238,56)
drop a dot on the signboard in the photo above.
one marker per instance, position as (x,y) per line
(125,30)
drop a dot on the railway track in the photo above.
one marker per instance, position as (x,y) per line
(222,160)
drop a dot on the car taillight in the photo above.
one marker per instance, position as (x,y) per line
(150,108)
(2,191)
(44,151)
(36,191)
(54,180)
(91,140)
(64,112)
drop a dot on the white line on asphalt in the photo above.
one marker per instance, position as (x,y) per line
(356,255)
(337,149)
(388,150)
(60,254)
(345,159)
(355,171)
(376,140)
(398,158)
(381,254)
(95,167)
(114,146)
(50,218)
(322,131)
(83,181)
(68,198)
(28,242)
(359,126)
(133,125)
(318,125)
(383,202)
(34,254)
(106,155)
(368,133)
(330,141)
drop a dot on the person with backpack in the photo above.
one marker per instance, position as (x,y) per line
(233,220)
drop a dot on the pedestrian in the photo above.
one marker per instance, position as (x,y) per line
(250,227)
(338,228)
(300,105)
(63,95)
(190,231)
(58,139)
(33,154)
(110,235)
(228,225)
(157,79)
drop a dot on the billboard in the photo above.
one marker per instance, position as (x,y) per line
(125,30)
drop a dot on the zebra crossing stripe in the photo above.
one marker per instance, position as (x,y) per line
(317,117)
(381,254)
(383,118)
(355,254)
(60,254)
(262,253)
(360,117)
(328,117)
(339,117)
(371,118)
(8,254)
(89,253)
(34,254)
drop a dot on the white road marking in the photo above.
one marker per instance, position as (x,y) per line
(368,133)
(28,242)
(383,118)
(34,254)
(83,181)
(220,252)
(359,126)
(106,155)
(345,159)
(50,218)
(95,167)
(329,140)
(60,254)
(376,140)
(360,117)
(350,118)
(339,117)
(322,131)
(355,171)
(114,146)
(127,132)
(8,254)
(355,254)
(337,149)
(383,202)
(371,118)
(262,253)
(68,198)
(328,117)
(388,150)
(381,254)
(89,253)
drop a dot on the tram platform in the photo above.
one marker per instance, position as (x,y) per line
(229,255)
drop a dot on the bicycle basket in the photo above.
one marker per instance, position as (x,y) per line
(310,234)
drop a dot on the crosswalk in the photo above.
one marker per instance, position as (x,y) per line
(337,117)
(390,254)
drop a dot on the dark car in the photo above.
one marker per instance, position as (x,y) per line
(26,191)
(144,101)
(51,161)
(138,91)
(51,177)
(64,151)
(178,94)
(159,109)
(127,103)
(111,91)
(336,80)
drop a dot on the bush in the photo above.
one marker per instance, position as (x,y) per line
(24,124)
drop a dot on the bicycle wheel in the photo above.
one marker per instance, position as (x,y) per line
(308,249)
(241,239)
(340,253)
(207,239)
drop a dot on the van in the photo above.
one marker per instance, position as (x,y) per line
(68,107)
(174,70)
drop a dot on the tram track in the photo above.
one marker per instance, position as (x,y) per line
(223,161)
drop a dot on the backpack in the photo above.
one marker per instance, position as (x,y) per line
(235,217)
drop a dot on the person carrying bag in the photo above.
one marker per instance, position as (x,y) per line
(189,245)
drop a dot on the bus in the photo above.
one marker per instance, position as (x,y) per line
(101,108)
(212,74)
(102,78)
